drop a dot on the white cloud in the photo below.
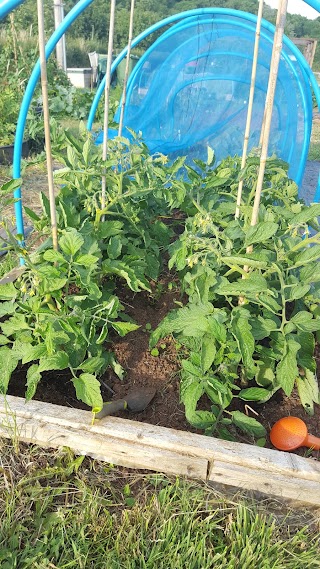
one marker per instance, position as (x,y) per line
(297,7)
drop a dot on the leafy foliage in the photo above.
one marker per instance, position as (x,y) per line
(58,315)
(247,329)
(247,333)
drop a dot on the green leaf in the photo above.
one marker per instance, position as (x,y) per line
(103,334)
(16,323)
(49,272)
(31,353)
(308,389)
(269,302)
(7,308)
(298,291)
(54,339)
(10,186)
(124,328)
(210,156)
(309,254)
(33,378)
(72,156)
(54,256)
(56,361)
(287,369)
(8,363)
(310,273)
(305,355)
(217,329)
(191,369)
(109,228)
(254,394)
(190,398)
(254,284)
(241,330)
(8,291)
(51,285)
(208,352)
(30,213)
(306,214)
(114,247)
(86,260)
(248,424)
(262,327)
(265,375)
(135,282)
(178,255)
(4,340)
(92,365)
(88,390)
(244,260)
(304,321)
(190,321)
(45,204)
(260,232)
(71,241)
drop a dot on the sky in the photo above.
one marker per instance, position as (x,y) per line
(296,7)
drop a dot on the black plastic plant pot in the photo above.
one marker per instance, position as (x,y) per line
(6,152)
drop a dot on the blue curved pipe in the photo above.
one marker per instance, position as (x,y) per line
(7,6)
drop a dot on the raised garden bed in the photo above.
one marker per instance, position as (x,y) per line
(240,343)
(177,450)
(136,445)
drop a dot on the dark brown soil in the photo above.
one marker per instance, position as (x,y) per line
(160,372)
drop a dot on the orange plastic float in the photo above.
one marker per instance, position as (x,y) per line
(290,433)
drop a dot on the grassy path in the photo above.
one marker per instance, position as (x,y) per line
(62,512)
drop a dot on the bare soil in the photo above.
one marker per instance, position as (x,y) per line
(160,372)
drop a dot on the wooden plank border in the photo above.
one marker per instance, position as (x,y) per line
(140,445)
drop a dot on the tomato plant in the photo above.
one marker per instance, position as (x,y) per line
(248,333)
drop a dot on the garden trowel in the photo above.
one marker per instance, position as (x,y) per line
(135,401)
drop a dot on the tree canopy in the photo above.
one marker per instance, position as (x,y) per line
(93,23)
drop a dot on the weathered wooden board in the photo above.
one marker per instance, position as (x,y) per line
(140,445)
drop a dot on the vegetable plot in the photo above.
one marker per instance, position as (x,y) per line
(60,314)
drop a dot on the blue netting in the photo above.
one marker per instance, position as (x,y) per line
(190,90)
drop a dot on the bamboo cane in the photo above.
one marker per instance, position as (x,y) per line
(278,39)
(106,101)
(250,103)
(126,75)
(46,117)
(272,58)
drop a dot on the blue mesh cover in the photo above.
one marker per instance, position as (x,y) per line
(190,90)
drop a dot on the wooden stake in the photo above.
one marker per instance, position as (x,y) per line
(106,101)
(46,117)
(126,75)
(250,103)
(278,39)
(271,63)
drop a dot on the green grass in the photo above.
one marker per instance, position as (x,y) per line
(60,512)
(314,150)
(7,262)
